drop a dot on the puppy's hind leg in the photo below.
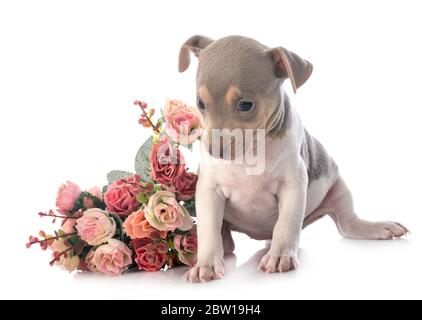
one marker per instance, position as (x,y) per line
(338,204)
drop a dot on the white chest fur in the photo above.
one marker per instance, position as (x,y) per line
(253,201)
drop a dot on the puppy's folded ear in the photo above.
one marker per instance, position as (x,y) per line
(289,65)
(194,44)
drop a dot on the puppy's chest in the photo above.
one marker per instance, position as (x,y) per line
(249,193)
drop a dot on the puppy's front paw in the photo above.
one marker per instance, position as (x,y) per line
(205,272)
(285,261)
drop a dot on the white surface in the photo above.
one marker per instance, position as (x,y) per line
(69,72)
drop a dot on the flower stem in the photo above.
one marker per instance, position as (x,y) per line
(154,127)
(42,214)
(67,235)
(57,258)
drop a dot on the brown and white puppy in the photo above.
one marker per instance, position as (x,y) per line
(238,88)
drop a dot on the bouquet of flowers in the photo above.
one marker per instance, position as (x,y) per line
(141,220)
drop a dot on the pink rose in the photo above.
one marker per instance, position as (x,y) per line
(184,187)
(184,124)
(137,226)
(66,197)
(95,227)
(96,192)
(120,196)
(150,256)
(112,258)
(187,247)
(164,213)
(167,162)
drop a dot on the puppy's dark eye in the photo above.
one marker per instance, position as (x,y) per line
(201,104)
(245,106)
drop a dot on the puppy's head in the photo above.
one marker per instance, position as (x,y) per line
(238,83)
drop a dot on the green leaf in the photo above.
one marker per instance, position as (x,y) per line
(73,240)
(96,201)
(79,204)
(79,247)
(179,232)
(117,174)
(142,164)
(85,252)
(119,225)
(190,206)
(170,242)
(142,198)
(133,267)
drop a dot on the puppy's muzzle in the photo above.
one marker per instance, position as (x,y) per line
(224,148)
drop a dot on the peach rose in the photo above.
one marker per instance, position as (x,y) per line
(120,196)
(68,225)
(187,247)
(164,213)
(112,258)
(137,226)
(95,227)
(66,197)
(167,162)
(68,261)
(184,124)
(150,255)
(96,192)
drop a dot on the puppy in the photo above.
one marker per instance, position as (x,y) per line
(239,88)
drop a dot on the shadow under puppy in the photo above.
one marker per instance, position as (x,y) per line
(238,88)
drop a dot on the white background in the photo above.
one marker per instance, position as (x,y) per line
(69,71)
